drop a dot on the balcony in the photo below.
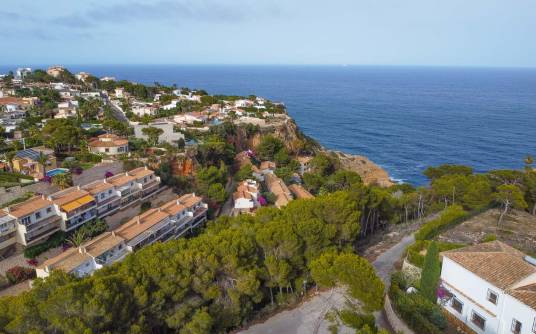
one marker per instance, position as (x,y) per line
(109,200)
(84,217)
(38,223)
(41,233)
(81,209)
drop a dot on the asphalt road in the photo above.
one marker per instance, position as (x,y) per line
(309,316)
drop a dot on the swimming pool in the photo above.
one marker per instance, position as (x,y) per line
(57,171)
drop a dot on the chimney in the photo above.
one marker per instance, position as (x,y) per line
(138,219)
(113,234)
(78,187)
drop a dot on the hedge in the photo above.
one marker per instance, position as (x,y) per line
(415,257)
(19,274)
(451,216)
(55,240)
(420,314)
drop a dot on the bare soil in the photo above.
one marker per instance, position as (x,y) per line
(518,230)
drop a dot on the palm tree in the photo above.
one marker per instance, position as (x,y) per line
(9,157)
(77,238)
(42,161)
(62,180)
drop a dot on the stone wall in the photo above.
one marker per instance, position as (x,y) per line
(411,272)
(396,323)
(9,194)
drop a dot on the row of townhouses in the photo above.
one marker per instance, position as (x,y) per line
(490,288)
(170,221)
(32,221)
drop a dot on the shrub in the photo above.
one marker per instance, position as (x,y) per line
(451,216)
(423,316)
(55,240)
(415,257)
(19,274)
(489,237)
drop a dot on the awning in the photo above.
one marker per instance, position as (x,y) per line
(77,203)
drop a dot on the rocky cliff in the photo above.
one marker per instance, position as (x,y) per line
(284,128)
(370,172)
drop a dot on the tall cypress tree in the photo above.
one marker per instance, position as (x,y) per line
(431,273)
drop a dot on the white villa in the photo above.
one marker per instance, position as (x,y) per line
(491,288)
(246,196)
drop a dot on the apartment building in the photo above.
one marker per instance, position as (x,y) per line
(490,288)
(103,250)
(35,219)
(75,206)
(170,221)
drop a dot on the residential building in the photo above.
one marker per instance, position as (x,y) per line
(67,109)
(299,192)
(39,217)
(35,220)
(8,230)
(92,255)
(107,198)
(29,162)
(55,71)
(191,118)
(107,79)
(143,108)
(75,206)
(277,187)
(22,72)
(119,92)
(170,221)
(246,196)
(82,76)
(490,288)
(108,144)
(170,135)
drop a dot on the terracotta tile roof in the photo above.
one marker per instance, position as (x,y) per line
(495,262)
(140,172)
(66,261)
(190,200)
(68,195)
(241,194)
(102,243)
(11,100)
(29,206)
(120,179)
(97,186)
(279,189)
(300,191)
(173,207)
(525,294)
(141,223)
(267,165)
(114,143)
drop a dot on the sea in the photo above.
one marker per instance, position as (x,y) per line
(402,118)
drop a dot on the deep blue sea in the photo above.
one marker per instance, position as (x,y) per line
(403,118)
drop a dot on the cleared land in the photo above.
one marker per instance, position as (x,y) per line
(517,230)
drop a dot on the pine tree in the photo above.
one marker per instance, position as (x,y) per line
(430,273)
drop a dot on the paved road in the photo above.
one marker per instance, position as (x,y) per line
(118,114)
(385,265)
(309,316)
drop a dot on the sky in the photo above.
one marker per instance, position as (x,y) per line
(493,33)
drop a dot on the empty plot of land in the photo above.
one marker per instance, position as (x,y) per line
(518,230)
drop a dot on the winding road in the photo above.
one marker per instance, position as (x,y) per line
(309,316)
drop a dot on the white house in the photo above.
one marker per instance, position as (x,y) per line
(246,196)
(491,288)
(169,135)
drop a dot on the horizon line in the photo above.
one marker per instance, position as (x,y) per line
(275,65)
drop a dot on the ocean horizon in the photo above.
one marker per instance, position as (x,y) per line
(404,118)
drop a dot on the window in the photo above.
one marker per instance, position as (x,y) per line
(534,326)
(110,191)
(516,327)
(477,320)
(49,210)
(457,305)
(26,220)
(106,150)
(492,297)
(102,196)
(37,215)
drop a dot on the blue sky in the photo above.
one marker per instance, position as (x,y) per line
(385,32)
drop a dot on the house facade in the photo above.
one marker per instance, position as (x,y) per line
(246,196)
(28,162)
(490,288)
(108,144)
